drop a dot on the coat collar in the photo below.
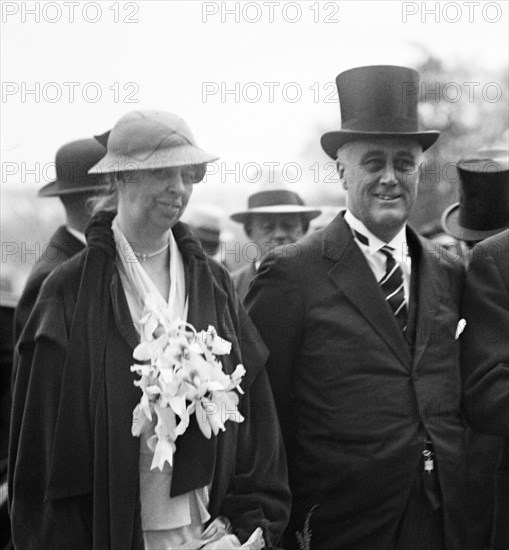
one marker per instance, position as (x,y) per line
(64,240)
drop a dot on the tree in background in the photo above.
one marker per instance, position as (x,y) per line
(470,108)
(467,103)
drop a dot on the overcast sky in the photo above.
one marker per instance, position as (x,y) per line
(88,63)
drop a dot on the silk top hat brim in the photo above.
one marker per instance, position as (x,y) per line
(378,101)
(452,226)
(332,141)
(149,140)
(73,161)
(277,201)
(483,209)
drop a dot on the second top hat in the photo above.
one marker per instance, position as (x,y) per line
(377,101)
(483,208)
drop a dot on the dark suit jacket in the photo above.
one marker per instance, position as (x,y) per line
(61,247)
(242,279)
(354,397)
(485,359)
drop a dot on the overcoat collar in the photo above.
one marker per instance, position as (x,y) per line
(63,240)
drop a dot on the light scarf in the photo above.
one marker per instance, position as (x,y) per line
(166,522)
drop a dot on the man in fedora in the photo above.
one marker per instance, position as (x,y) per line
(74,187)
(363,361)
(481,213)
(274,217)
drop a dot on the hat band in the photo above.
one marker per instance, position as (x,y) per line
(381,124)
(273,198)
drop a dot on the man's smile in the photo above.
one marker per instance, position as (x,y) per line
(387,197)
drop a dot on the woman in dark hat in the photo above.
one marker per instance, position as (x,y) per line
(78,477)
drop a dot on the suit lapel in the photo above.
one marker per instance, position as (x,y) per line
(352,275)
(425,295)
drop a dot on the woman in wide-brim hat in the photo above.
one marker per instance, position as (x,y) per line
(78,477)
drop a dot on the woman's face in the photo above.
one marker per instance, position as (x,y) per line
(157,197)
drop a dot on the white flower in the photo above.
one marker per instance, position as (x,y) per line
(180,376)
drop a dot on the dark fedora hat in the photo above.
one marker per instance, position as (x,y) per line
(275,201)
(377,101)
(73,161)
(483,208)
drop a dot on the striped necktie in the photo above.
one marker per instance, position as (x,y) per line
(391,283)
(393,288)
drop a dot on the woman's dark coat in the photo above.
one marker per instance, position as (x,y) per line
(73,466)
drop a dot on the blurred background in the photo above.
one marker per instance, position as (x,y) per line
(255,81)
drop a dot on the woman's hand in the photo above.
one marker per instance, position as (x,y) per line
(231,542)
(218,528)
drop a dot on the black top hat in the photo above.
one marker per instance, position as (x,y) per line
(73,161)
(483,209)
(275,201)
(377,101)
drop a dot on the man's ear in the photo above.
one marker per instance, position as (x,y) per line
(341,171)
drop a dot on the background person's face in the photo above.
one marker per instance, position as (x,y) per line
(157,197)
(381,177)
(271,230)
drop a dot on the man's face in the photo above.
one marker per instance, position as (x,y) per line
(380,177)
(271,230)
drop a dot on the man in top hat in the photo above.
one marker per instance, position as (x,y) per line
(484,217)
(360,324)
(481,213)
(74,187)
(483,208)
(274,217)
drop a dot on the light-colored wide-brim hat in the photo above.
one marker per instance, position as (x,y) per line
(276,201)
(148,140)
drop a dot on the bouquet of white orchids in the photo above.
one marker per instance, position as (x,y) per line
(181,376)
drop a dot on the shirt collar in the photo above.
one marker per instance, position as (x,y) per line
(398,243)
(78,234)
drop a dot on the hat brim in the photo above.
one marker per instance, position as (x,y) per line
(186,155)
(307,211)
(450,222)
(332,141)
(57,188)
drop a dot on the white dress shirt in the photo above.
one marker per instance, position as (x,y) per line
(376,259)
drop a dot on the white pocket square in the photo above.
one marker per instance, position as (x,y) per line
(462,323)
